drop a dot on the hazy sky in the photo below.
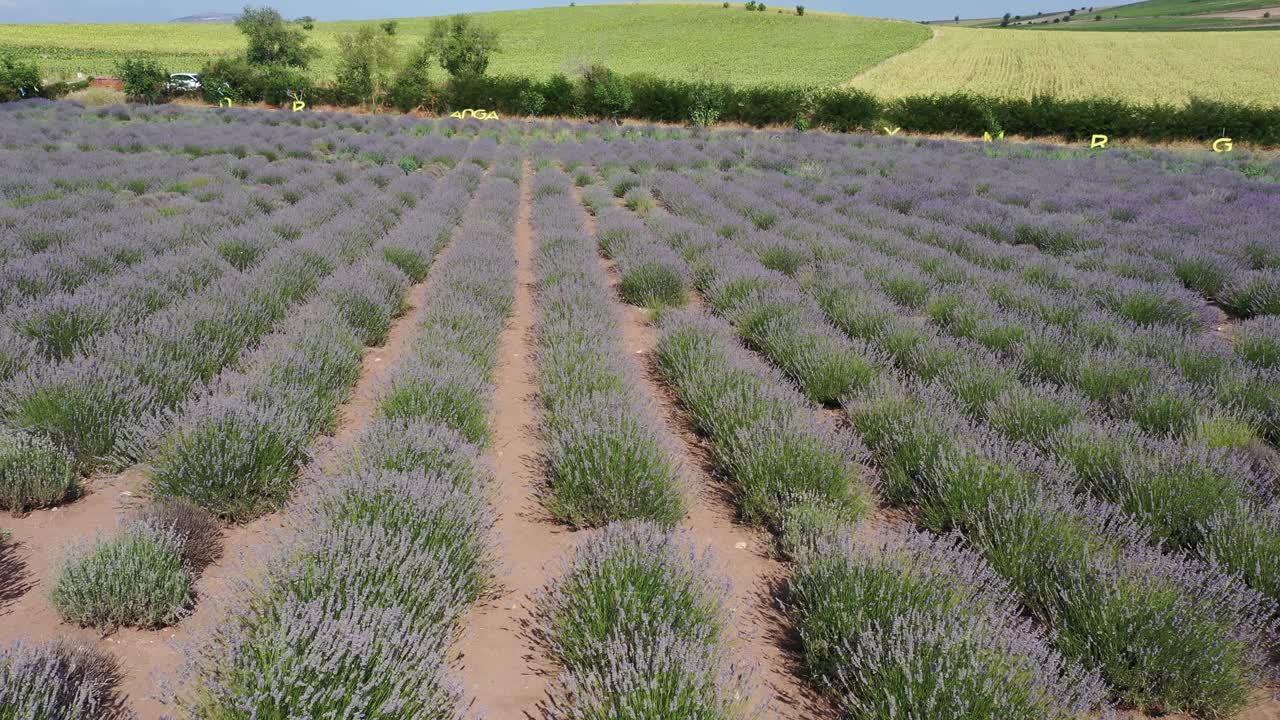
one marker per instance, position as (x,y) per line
(139,11)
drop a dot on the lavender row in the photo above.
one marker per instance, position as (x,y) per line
(765,438)
(911,625)
(1164,631)
(236,450)
(1163,208)
(770,316)
(980,481)
(448,379)
(1040,294)
(90,402)
(638,623)
(393,551)
(192,134)
(62,323)
(606,458)
(923,627)
(357,615)
(1198,483)
(1189,497)
(650,274)
(1130,369)
(1125,384)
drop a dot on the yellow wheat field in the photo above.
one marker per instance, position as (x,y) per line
(1143,67)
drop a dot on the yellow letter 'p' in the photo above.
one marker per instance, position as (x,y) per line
(1098,141)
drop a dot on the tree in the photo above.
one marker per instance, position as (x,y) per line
(307,22)
(957,18)
(1004,22)
(800,10)
(390,26)
(144,79)
(412,85)
(271,40)
(365,61)
(17,79)
(463,47)
(1071,12)
(607,94)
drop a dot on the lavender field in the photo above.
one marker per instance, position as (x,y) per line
(336,416)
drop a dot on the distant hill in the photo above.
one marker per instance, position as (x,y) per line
(1148,16)
(209,17)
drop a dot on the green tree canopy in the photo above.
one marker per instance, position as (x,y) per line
(462,46)
(366,59)
(272,41)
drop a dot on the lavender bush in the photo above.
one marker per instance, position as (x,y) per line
(921,625)
(34,472)
(138,577)
(59,680)
(636,621)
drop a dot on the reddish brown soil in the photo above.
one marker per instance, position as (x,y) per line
(502,668)
(28,566)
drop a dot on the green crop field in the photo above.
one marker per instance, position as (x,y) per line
(1150,8)
(1158,24)
(703,41)
(1142,67)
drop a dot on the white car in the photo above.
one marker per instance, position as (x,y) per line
(184,82)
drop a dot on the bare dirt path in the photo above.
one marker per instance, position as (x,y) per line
(746,555)
(502,670)
(40,539)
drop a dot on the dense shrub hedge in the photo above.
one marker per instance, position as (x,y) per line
(843,110)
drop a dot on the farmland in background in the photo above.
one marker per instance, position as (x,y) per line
(1153,8)
(298,409)
(1139,67)
(708,42)
(695,42)
(1149,16)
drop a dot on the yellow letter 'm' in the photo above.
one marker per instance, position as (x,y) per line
(1098,141)
(1222,145)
